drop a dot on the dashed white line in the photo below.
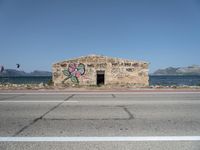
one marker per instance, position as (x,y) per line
(101,139)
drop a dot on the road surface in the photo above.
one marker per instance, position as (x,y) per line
(100,120)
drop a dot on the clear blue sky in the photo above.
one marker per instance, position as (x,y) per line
(37,33)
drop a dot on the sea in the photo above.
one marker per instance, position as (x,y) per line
(190,80)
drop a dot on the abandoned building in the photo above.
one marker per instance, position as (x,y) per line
(100,70)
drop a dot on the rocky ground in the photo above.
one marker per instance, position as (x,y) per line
(9,86)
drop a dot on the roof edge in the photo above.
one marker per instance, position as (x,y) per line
(95,55)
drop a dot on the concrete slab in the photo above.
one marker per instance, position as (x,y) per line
(93,95)
(87,112)
(42,97)
(75,98)
(15,116)
(134,127)
(101,145)
(159,97)
(8,96)
(166,111)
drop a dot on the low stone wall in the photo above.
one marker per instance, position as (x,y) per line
(42,86)
(10,86)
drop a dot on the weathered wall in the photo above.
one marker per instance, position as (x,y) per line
(83,70)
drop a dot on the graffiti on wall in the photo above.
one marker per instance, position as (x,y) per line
(73,72)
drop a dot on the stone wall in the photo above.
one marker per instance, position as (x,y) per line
(83,71)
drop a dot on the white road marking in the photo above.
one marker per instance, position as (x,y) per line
(101,139)
(37,101)
(104,93)
(188,101)
(39,93)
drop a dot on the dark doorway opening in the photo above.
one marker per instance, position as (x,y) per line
(100,77)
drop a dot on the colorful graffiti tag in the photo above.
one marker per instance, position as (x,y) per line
(73,72)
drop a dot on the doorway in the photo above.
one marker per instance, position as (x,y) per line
(100,77)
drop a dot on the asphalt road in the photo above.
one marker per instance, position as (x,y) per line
(100,120)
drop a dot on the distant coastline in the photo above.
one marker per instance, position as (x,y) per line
(19,73)
(179,71)
(162,75)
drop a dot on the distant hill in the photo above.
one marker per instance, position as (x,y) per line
(40,73)
(190,70)
(14,73)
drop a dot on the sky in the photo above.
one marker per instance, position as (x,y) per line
(38,33)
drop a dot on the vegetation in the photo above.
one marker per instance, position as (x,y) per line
(50,82)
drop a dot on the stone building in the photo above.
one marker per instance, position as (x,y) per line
(97,70)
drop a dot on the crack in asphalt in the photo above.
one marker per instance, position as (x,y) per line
(129,113)
(131,116)
(41,117)
(113,95)
(81,119)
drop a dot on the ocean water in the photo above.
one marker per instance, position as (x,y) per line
(191,80)
(26,79)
